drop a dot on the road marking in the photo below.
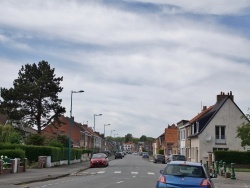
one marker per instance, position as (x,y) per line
(151,173)
(100,172)
(119,182)
(134,172)
(117,172)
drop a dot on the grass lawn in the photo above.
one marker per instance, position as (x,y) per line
(242,169)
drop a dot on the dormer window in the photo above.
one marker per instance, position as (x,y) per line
(195,127)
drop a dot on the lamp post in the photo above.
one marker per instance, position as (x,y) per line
(111,133)
(94,132)
(94,119)
(104,128)
(70,123)
(104,136)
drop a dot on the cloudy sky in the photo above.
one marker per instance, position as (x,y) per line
(143,64)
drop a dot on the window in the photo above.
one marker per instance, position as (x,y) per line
(220,134)
(195,127)
(183,134)
(220,149)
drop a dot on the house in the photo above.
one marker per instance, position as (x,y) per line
(82,136)
(3,119)
(24,130)
(171,139)
(214,128)
(183,142)
(129,146)
(159,144)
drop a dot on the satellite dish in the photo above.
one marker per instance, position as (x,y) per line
(208,137)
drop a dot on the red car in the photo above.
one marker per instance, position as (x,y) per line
(99,160)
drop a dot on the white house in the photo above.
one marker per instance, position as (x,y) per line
(213,129)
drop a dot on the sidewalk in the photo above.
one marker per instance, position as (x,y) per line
(240,176)
(33,175)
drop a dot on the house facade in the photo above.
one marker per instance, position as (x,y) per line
(82,136)
(213,129)
(171,140)
(129,146)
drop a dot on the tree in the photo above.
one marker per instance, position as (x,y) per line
(128,137)
(35,139)
(64,140)
(9,135)
(33,99)
(143,138)
(243,131)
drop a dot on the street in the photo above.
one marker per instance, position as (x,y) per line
(131,171)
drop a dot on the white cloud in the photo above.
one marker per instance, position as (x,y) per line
(142,71)
(217,7)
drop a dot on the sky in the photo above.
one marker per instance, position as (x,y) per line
(143,64)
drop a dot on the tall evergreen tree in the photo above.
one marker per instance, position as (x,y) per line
(33,99)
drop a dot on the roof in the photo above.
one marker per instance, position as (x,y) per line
(3,119)
(207,115)
(185,163)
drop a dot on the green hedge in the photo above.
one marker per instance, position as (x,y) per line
(237,157)
(56,153)
(13,153)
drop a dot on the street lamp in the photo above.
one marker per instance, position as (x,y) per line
(111,133)
(104,128)
(70,123)
(94,119)
(104,136)
(94,131)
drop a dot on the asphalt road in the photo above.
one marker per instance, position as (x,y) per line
(131,171)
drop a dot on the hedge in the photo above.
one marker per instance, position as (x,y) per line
(56,153)
(12,154)
(237,157)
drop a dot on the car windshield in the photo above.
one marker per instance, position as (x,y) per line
(184,170)
(96,156)
(179,158)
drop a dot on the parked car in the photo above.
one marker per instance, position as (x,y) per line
(99,160)
(118,155)
(145,155)
(176,157)
(159,158)
(184,174)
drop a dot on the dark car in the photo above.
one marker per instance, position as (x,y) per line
(159,158)
(145,155)
(181,174)
(176,157)
(99,160)
(118,155)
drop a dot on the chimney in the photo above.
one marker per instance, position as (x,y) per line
(204,108)
(222,95)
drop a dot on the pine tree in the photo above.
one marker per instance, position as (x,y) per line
(33,99)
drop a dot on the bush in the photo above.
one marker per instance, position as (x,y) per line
(33,152)
(238,157)
(13,153)
(35,139)
(161,151)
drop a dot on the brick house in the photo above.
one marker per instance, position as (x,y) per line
(82,136)
(171,139)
